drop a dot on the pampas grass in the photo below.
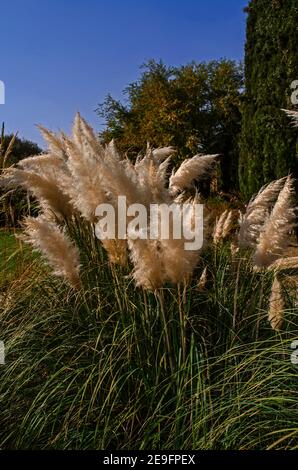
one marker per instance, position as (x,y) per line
(275,235)
(55,142)
(78,174)
(63,256)
(149,270)
(228,224)
(44,187)
(162,153)
(266,226)
(202,280)
(197,167)
(180,263)
(218,227)
(257,212)
(276,305)
(284,264)
(160,365)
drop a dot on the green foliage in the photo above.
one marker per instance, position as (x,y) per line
(14,257)
(268,144)
(195,108)
(92,370)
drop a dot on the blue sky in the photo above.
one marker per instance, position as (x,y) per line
(63,56)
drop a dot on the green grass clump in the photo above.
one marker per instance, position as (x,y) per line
(115,367)
(14,258)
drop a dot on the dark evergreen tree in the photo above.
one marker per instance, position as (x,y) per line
(268,147)
(14,205)
(21,148)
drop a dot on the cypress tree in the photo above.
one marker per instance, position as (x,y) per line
(268,146)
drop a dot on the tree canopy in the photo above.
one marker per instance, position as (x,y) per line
(195,108)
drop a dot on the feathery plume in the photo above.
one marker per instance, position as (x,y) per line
(274,238)
(276,306)
(117,250)
(257,211)
(45,189)
(203,280)
(85,188)
(291,283)
(228,224)
(234,248)
(151,181)
(162,172)
(54,142)
(219,227)
(85,140)
(284,263)
(148,271)
(161,153)
(112,151)
(78,174)
(291,251)
(194,168)
(38,162)
(60,252)
(180,263)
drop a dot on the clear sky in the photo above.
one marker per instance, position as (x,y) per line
(62,56)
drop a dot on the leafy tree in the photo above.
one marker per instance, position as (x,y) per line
(268,144)
(195,108)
